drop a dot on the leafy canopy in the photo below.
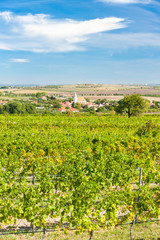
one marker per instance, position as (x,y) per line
(132,105)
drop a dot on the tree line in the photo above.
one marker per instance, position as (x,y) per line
(16,107)
(131,105)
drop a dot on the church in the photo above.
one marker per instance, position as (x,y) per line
(80,100)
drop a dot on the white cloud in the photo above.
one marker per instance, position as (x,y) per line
(4,46)
(126,40)
(19,60)
(6,16)
(41,33)
(126,1)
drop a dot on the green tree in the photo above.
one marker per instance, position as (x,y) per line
(14,107)
(98,101)
(87,99)
(132,105)
(101,109)
(1,109)
(52,98)
(76,105)
(56,104)
(40,94)
(30,108)
(91,110)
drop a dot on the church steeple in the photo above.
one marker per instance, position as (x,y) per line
(75,98)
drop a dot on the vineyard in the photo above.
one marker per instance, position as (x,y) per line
(78,172)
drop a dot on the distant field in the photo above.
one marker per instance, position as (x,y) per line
(93,91)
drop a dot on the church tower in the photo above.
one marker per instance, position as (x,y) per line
(75,99)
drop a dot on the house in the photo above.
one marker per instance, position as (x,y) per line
(43,98)
(66,104)
(62,96)
(72,110)
(151,104)
(63,109)
(3,102)
(34,102)
(40,108)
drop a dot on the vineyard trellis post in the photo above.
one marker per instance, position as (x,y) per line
(136,216)
(49,158)
(33,180)
(140,183)
(140,177)
(44,233)
(68,136)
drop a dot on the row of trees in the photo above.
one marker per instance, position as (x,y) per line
(18,108)
(131,105)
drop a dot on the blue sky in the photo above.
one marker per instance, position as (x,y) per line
(89,41)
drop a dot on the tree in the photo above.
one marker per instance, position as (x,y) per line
(56,104)
(91,110)
(132,105)
(40,94)
(1,109)
(30,108)
(101,109)
(76,105)
(14,107)
(87,99)
(52,98)
(98,101)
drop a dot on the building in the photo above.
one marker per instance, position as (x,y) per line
(66,104)
(80,100)
(3,102)
(63,109)
(43,98)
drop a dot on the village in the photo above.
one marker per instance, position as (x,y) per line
(80,103)
(41,102)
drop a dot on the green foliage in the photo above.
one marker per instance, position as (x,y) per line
(101,109)
(40,94)
(132,105)
(101,101)
(14,107)
(56,104)
(30,108)
(149,129)
(1,109)
(87,99)
(76,105)
(17,108)
(87,181)
(91,110)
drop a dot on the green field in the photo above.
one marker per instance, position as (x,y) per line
(78,172)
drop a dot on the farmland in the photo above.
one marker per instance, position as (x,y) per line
(93,91)
(59,98)
(78,171)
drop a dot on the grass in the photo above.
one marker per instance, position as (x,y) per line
(145,231)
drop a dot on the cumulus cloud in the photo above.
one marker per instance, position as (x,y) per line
(41,33)
(126,1)
(19,60)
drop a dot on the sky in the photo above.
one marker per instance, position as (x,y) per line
(51,42)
